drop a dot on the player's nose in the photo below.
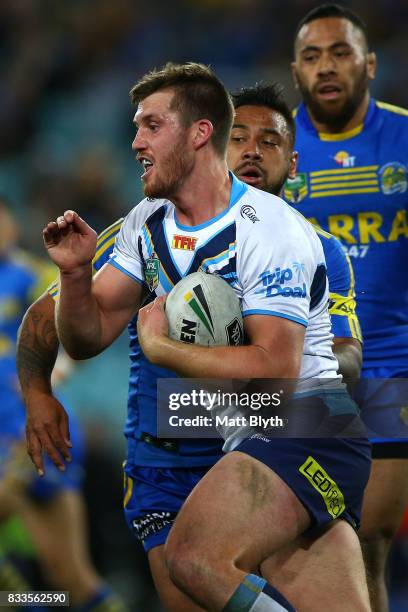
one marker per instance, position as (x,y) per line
(138,143)
(327,64)
(252,152)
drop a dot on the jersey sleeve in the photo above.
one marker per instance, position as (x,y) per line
(126,255)
(104,249)
(342,303)
(280,273)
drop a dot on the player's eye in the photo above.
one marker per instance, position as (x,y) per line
(270,143)
(310,57)
(237,139)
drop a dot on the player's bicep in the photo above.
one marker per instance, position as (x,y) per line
(275,334)
(118,295)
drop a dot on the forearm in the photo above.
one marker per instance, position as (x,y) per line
(250,361)
(37,347)
(78,316)
(349,357)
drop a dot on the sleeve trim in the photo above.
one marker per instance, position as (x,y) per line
(115,264)
(273,313)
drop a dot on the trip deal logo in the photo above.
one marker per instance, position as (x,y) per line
(274,283)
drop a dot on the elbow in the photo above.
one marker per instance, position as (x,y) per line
(78,350)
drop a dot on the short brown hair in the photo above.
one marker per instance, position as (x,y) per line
(198,94)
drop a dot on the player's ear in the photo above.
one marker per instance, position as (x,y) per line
(294,74)
(293,164)
(202,133)
(371,65)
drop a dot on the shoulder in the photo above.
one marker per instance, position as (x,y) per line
(266,217)
(330,243)
(145,210)
(394,118)
(394,112)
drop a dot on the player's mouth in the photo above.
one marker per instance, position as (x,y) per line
(328,91)
(147,166)
(250,174)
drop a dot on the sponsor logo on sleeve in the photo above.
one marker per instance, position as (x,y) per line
(274,282)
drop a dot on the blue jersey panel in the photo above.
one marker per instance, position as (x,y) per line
(340,276)
(355,186)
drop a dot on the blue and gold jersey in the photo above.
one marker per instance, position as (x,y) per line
(22,279)
(342,303)
(355,186)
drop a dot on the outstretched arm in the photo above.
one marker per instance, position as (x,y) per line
(91,312)
(37,348)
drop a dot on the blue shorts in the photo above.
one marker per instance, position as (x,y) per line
(384,411)
(328,475)
(153,497)
(16,466)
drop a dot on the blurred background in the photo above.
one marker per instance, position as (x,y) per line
(65,142)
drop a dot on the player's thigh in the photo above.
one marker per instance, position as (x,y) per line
(240,510)
(171,597)
(325,567)
(385,497)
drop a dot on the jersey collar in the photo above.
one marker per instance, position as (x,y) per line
(303,117)
(238,189)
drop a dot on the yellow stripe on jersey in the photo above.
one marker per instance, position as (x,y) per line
(110,230)
(347,184)
(344,170)
(128,486)
(393,109)
(344,177)
(319,230)
(104,247)
(101,247)
(343,136)
(322,194)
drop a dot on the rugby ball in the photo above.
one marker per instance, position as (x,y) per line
(203,309)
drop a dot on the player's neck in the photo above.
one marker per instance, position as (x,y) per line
(204,194)
(356,120)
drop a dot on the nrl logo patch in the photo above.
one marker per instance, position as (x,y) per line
(295,190)
(151,271)
(393,178)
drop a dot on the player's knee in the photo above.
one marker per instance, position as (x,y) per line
(189,569)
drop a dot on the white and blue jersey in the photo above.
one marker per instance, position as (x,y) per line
(267,252)
(141,425)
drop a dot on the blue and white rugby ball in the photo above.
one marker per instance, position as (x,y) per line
(203,309)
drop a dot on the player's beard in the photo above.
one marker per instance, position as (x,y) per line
(276,186)
(336,117)
(174,169)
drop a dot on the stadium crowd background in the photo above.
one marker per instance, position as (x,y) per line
(65,135)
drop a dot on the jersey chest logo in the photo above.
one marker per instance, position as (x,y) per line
(184,243)
(393,178)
